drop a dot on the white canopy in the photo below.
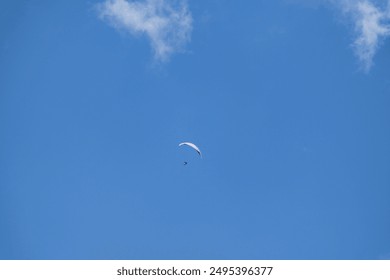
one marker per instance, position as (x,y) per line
(192,145)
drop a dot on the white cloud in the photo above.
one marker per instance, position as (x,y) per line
(167,23)
(372,26)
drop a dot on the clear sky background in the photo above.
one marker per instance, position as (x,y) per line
(288,101)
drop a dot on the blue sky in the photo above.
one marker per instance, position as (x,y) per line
(288,101)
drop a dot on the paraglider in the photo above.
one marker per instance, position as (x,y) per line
(193,146)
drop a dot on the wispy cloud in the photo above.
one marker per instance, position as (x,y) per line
(167,23)
(371,23)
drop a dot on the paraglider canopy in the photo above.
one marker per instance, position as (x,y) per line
(193,146)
